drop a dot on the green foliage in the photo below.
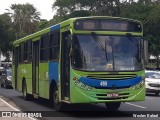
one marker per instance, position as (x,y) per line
(19,21)
(148,12)
(25,18)
(80,13)
(7,34)
(94,7)
(56,19)
(42,24)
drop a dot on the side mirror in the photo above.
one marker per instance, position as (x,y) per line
(146,55)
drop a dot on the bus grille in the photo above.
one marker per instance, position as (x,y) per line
(120,97)
(110,88)
(112,76)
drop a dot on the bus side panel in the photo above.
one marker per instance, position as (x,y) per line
(28,77)
(47,82)
(77,95)
(43,79)
(21,71)
(53,71)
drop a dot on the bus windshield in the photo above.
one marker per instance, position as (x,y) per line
(106,53)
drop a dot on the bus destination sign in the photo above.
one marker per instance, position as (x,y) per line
(108,25)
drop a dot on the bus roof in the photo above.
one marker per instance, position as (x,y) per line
(62,24)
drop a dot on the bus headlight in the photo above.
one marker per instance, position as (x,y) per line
(82,86)
(77,82)
(89,88)
(139,85)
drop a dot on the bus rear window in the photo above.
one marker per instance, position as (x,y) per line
(109,25)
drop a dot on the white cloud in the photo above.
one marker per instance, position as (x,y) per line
(43,6)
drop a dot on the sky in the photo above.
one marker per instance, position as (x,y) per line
(43,6)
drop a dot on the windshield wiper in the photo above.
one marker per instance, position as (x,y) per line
(98,41)
(133,40)
(96,38)
(106,51)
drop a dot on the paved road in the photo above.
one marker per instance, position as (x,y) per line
(152,103)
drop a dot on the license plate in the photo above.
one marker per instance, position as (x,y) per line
(113,95)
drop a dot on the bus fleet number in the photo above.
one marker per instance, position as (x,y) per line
(103,83)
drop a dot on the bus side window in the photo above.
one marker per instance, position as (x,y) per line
(44,49)
(25,52)
(20,54)
(54,45)
(29,51)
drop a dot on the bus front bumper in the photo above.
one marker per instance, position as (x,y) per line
(79,95)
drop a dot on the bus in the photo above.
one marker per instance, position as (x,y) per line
(96,59)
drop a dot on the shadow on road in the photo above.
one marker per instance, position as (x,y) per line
(68,107)
(77,110)
(74,110)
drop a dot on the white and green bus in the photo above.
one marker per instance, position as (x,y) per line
(82,60)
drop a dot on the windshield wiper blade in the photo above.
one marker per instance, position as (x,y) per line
(106,51)
(97,39)
(133,40)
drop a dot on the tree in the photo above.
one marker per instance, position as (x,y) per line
(148,12)
(42,24)
(94,7)
(25,18)
(80,13)
(7,35)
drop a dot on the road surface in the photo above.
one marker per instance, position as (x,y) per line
(152,103)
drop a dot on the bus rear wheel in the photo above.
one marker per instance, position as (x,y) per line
(113,106)
(58,106)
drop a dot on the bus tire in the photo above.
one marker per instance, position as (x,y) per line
(112,106)
(58,106)
(24,90)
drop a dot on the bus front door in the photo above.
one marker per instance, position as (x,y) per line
(35,69)
(65,68)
